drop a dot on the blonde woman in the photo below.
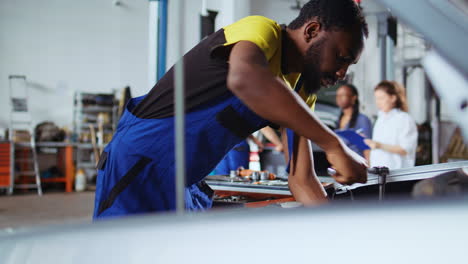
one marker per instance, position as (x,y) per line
(395,134)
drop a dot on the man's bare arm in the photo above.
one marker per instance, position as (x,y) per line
(250,79)
(303,182)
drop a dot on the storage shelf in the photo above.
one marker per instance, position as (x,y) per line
(87,146)
(86,127)
(86,165)
(97,109)
(86,115)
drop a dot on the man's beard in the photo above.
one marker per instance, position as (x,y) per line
(311,73)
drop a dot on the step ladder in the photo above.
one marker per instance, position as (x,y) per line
(21,132)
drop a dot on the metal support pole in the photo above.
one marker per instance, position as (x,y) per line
(382,182)
(153,35)
(435,125)
(382,173)
(405,76)
(390,68)
(204,9)
(383,58)
(162,37)
(179,110)
(382,32)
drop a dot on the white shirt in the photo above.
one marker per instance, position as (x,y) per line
(395,128)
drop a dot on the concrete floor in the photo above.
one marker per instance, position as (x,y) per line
(30,210)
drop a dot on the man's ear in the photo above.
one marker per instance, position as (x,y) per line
(311,30)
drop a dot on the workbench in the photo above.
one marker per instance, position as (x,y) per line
(262,195)
(410,174)
(394,176)
(64,162)
(248,188)
(256,188)
(246,194)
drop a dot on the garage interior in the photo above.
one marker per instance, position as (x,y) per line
(69,68)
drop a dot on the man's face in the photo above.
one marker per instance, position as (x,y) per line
(344,97)
(330,54)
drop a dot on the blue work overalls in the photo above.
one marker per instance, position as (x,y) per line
(237,157)
(136,172)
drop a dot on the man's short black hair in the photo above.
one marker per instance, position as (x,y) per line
(332,14)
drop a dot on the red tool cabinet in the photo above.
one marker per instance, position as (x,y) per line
(5,164)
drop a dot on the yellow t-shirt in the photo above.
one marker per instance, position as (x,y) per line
(267,35)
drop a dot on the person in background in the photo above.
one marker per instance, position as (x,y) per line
(347,98)
(239,155)
(395,134)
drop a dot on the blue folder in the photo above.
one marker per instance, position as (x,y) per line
(353,138)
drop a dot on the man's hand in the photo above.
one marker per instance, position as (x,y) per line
(350,167)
